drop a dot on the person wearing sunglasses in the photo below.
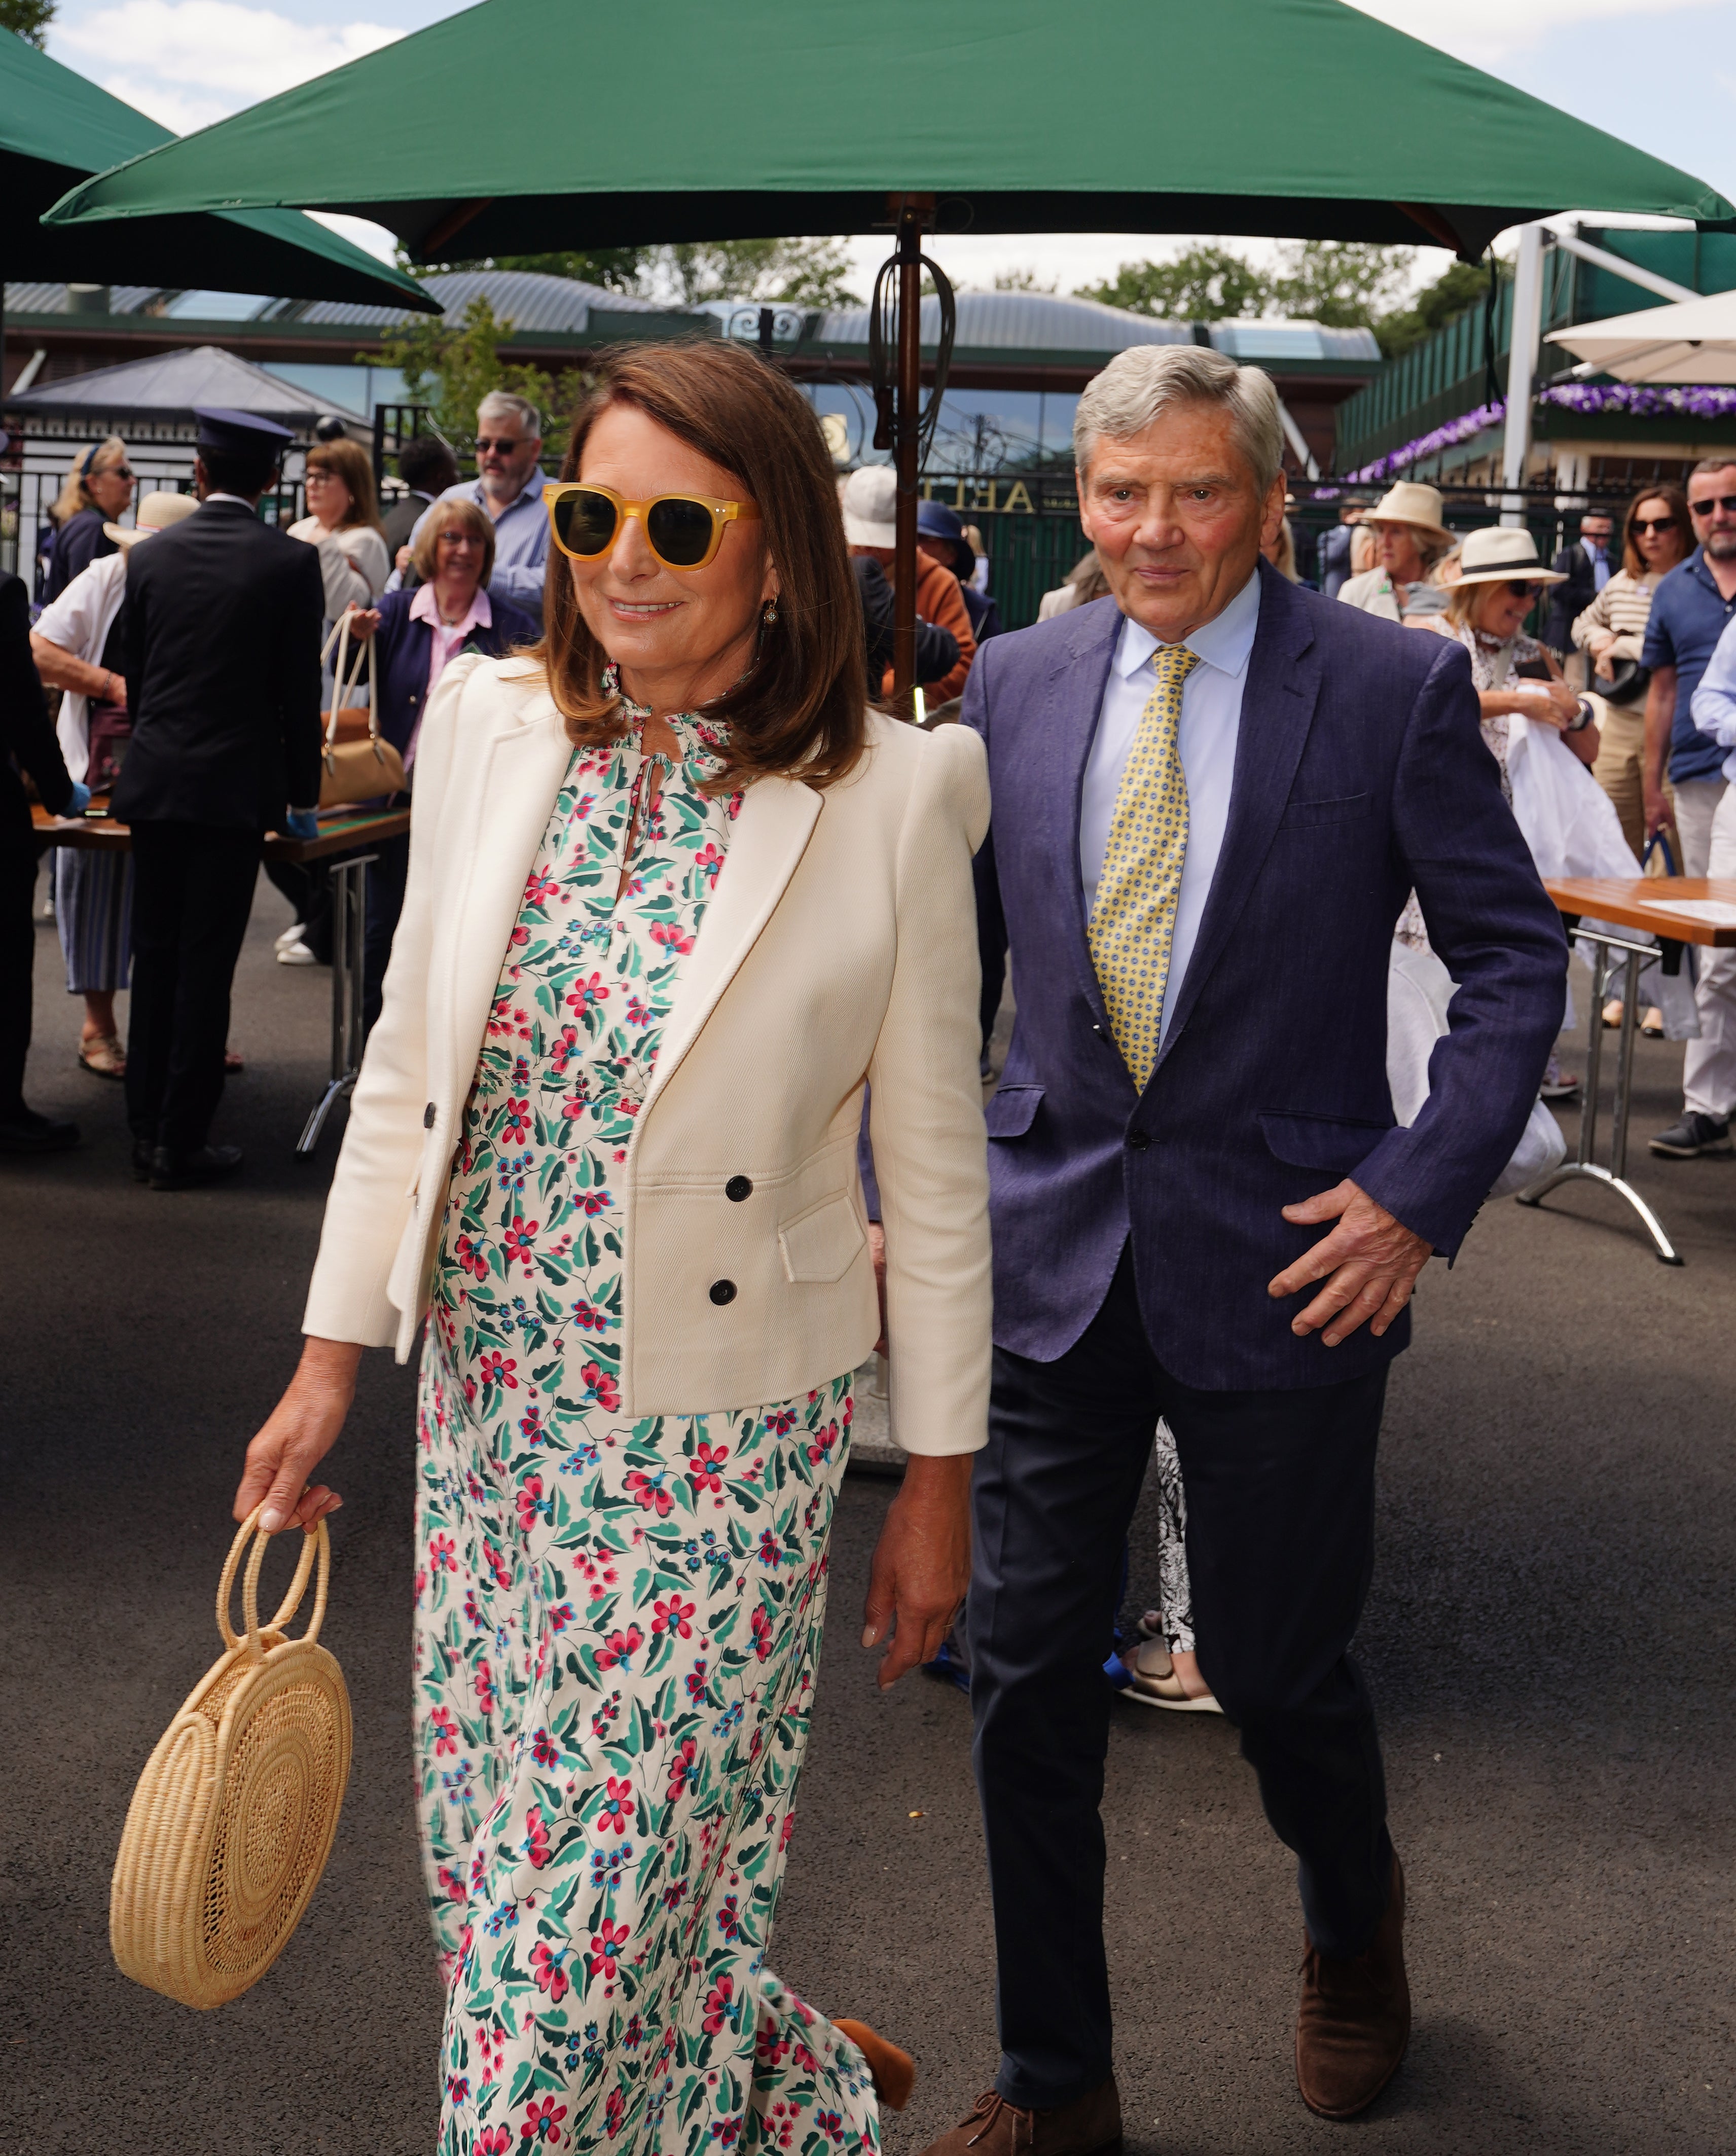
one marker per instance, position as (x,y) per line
(675,896)
(98,491)
(508,490)
(1693,607)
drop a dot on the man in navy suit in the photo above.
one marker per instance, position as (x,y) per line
(1158,1247)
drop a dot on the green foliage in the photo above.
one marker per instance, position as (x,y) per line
(1022,280)
(1345,284)
(1203,283)
(1465,284)
(452,367)
(804,273)
(28,19)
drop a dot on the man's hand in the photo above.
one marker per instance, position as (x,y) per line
(1370,1263)
(877,1252)
(922,1563)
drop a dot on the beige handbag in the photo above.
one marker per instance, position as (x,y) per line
(233,1817)
(355,770)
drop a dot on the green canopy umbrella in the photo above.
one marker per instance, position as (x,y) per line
(55,128)
(690,119)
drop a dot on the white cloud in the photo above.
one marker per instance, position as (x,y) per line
(1484,31)
(188,62)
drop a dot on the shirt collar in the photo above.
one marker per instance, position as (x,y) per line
(425,606)
(1225,642)
(532,492)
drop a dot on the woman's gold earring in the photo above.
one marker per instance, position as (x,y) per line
(768,616)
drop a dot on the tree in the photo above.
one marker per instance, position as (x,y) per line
(616,268)
(1465,284)
(1343,284)
(451,368)
(28,19)
(804,273)
(1022,280)
(1204,284)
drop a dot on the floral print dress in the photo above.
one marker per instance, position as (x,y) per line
(618,1620)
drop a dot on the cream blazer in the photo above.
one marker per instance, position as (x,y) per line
(840,947)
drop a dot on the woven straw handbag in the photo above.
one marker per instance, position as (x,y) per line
(234,1815)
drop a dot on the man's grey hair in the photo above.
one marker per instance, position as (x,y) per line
(499,403)
(1146,380)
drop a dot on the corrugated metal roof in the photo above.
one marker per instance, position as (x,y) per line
(527,298)
(1021,321)
(52,299)
(168,385)
(1293,340)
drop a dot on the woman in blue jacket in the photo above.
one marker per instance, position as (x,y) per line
(415,635)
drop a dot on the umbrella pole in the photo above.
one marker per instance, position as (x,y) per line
(905,427)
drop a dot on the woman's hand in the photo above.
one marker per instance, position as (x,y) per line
(1599,641)
(1551,702)
(922,1563)
(364,622)
(301,1429)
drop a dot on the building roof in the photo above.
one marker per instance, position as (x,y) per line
(162,390)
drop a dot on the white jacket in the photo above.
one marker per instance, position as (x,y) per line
(839,946)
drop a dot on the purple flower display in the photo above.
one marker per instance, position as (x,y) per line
(1641,400)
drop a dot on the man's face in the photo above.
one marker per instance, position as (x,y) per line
(1714,523)
(1596,529)
(506,454)
(1177,517)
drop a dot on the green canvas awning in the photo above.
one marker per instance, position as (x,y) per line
(56,128)
(693,119)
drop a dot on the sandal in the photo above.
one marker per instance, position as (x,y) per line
(1152,1681)
(1651,1024)
(103,1056)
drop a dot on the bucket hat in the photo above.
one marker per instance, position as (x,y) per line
(869,502)
(1410,502)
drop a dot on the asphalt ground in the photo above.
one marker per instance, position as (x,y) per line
(1548,1640)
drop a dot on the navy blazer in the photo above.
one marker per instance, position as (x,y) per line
(1360,772)
(401,650)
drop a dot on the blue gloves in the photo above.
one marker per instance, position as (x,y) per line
(80,800)
(303,824)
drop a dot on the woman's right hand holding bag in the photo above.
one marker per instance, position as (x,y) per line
(297,1435)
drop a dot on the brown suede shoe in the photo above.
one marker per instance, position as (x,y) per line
(996,2128)
(1355,2020)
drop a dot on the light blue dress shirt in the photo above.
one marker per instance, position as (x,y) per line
(1599,557)
(520,541)
(1714,701)
(1210,725)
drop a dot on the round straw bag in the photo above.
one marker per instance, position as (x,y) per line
(234,1815)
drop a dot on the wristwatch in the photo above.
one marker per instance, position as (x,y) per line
(1578,726)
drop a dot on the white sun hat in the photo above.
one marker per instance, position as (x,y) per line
(871,506)
(1410,502)
(1502,552)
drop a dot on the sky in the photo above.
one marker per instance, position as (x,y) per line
(1660,74)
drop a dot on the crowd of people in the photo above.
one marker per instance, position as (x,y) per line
(1283,1024)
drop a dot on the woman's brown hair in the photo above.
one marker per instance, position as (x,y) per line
(1632,560)
(802,705)
(348,461)
(443,517)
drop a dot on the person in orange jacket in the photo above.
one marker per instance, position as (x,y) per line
(869,498)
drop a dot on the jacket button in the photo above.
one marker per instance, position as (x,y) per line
(723,1292)
(1138,1140)
(428,1117)
(737,1188)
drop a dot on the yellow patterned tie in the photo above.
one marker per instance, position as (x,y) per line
(1133,927)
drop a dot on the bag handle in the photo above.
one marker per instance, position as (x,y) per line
(318,1542)
(342,688)
(1656,840)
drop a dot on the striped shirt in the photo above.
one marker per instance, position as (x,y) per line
(1624,605)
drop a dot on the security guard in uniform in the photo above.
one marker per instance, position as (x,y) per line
(223,616)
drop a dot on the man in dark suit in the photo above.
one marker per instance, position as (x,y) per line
(222,679)
(1212,793)
(27,745)
(1587,567)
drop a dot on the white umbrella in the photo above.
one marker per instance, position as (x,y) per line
(1692,341)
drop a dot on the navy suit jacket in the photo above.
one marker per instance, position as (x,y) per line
(1360,772)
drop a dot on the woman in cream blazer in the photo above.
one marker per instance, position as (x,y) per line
(674,897)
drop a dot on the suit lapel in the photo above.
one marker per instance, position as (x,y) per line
(1277,709)
(771,831)
(1068,724)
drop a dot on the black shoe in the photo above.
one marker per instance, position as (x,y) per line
(187,1170)
(24,1130)
(1692,1136)
(143,1153)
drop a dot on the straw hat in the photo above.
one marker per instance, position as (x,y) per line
(156,512)
(1501,552)
(871,506)
(1409,502)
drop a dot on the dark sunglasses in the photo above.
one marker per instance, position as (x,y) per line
(683,531)
(1522,588)
(1653,523)
(485,443)
(1726,502)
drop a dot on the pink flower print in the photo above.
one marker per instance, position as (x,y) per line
(586,995)
(442,1553)
(770,2047)
(521,936)
(536,1840)
(652,1496)
(729,1916)
(618,1648)
(606,1713)
(469,1258)
(541,888)
(718,2004)
(600,1387)
(497,1565)
(549,1971)
(588,1318)
(532,1502)
(493,2140)
(518,1239)
(672,1616)
(544,1750)
(560,1616)
(695,1680)
(473,1609)
(485,1684)
(708,1464)
(680,1769)
(711,861)
(823,1441)
(615,1814)
(771,1551)
(530,1425)
(614,2112)
(670,936)
(725,2132)
(780,1421)
(831,2125)
(785,1831)
(606,1943)
(639,1011)
(762,1631)
(445,1732)
(518,1125)
(494,1369)
(451,1885)
(598,1201)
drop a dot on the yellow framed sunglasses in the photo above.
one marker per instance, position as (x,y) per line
(683,531)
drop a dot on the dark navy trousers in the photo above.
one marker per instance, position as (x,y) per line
(1279,1493)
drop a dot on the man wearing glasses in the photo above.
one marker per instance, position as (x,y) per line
(1693,605)
(508,487)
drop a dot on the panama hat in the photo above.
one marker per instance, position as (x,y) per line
(156,512)
(1409,502)
(1502,552)
(871,506)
